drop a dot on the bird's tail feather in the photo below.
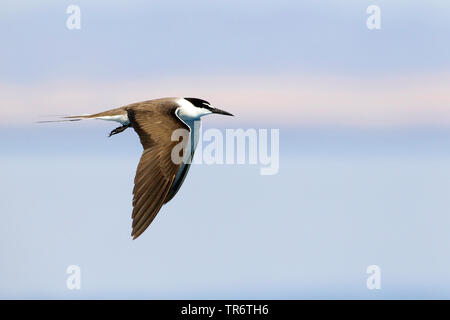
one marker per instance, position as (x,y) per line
(67,119)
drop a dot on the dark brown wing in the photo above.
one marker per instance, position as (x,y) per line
(181,175)
(178,182)
(156,170)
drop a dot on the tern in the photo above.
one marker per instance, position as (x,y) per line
(158,177)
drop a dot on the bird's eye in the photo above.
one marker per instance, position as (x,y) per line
(206,105)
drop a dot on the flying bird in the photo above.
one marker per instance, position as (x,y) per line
(158,178)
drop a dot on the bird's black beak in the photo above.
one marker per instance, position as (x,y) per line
(218,111)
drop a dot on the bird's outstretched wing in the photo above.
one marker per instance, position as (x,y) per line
(156,171)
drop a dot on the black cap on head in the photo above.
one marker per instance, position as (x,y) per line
(199,103)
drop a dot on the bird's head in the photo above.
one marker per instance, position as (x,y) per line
(203,107)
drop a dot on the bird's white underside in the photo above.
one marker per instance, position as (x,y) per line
(189,114)
(123,118)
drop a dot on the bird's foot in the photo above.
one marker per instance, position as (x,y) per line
(119,129)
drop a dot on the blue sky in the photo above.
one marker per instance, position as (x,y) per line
(364,149)
(152,39)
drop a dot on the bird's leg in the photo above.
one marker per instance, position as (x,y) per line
(119,129)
